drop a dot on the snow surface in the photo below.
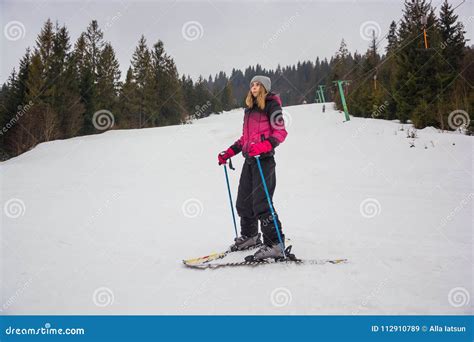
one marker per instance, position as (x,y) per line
(105,220)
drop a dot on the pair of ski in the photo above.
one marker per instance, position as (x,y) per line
(215,260)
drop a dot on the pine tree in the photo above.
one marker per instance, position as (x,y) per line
(73,109)
(45,48)
(41,121)
(387,73)
(452,50)
(90,46)
(392,38)
(341,62)
(23,76)
(452,36)
(204,100)
(167,85)
(108,80)
(417,66)
(4,119)
(144,81)
(65,98)
(86,82)
(129,103)
(11,102)
(364,96)
(187,87)
(61,47)
(341,69)
(94,45)
(226,98)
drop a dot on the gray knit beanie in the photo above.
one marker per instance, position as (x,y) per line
(267,83)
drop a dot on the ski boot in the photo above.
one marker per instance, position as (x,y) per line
(272,252)
(244,242)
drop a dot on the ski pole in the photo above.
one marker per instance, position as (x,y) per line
(230,199)
(270,205)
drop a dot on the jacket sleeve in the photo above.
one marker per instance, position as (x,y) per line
(277,124)
(237,145)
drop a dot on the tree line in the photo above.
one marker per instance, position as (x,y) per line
(62,90)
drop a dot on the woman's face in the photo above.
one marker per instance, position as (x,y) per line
(255,88)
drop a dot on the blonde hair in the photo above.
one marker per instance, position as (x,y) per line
(262,93)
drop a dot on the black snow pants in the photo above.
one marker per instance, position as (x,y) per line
(252,204)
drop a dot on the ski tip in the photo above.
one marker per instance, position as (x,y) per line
(199,266)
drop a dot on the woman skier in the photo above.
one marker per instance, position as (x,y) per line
(263,130)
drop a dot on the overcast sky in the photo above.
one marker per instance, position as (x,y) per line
(208,36)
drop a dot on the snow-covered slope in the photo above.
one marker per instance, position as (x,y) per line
(99,224)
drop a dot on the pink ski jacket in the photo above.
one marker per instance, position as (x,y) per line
(262,125)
